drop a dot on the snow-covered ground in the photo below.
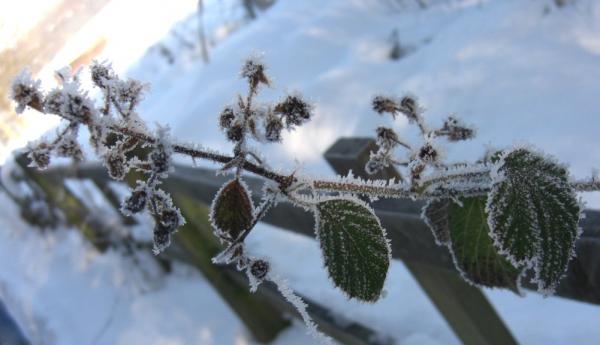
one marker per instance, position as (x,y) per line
(521,71)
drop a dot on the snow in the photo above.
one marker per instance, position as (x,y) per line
(70,294)
(519,71)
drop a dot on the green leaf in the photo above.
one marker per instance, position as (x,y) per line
(231,210)
(533,212)
(465,231)
(355,249)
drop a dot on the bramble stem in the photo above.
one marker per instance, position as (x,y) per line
(369,188)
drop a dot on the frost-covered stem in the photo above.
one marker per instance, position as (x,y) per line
(421,124)
(262,210)
(370,189)
(301,307)
(256,157)
(403,144)
(64,132)
(106,109)
(364,189)
(449,176)
(399,162)
(592,185)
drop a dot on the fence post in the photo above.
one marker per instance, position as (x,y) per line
(197,187)
(465,308)
(75,212)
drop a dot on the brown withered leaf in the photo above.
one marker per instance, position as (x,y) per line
(231,210)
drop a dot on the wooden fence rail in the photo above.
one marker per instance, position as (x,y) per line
(464,307)
(264,313)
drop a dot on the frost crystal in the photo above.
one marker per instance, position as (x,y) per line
(533,214)
(102,74)
(26,92)
(259,269)
(162,239)
(354,246)
(273,127)
(386,137)
(161,155)
(456,130)
(384,104)
(39,156)
(254,71)
(116,163)
(136,202)
(294,110)
(300,306)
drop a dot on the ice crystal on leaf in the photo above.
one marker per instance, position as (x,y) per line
(137,201)
(253,70)
(294,110)
(26,92)
(464,230)
(232,210)
(354,246)
(533,214)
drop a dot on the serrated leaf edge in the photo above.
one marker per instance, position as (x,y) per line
(448,244)
(497,177)
(384,233)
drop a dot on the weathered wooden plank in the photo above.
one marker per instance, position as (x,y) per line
(262,310)
(263,321)
(198,246)
(464,307)
(195,244)
(411,239)
(75,212)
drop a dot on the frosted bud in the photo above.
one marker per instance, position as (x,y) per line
(273,127)
(162,238)
(136,202)
(40,157)
(68,147)
(427,153)
(226,117)
(409,107)
(68,103)
(116,163)
(386,137)
(130,91)
(160,160)
(54,102)
(102,74)
(294,110)
(455,130)
(25,92)
(169,219)
(383,104)
(235,132)
(254,71)
(259,269)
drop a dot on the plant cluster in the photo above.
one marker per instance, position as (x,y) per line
(512,212)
